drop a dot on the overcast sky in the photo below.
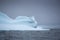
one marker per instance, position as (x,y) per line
(45,11)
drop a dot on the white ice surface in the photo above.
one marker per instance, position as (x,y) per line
(19,27)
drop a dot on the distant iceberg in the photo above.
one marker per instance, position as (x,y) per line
(21,20)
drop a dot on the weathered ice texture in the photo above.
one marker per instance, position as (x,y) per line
(30,35)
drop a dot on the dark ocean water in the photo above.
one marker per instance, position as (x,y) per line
(53,34)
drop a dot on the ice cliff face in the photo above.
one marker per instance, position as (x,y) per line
(21,20)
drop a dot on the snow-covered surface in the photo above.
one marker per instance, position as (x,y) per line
(19,27)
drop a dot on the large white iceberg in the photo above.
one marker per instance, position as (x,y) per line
(20,23)
(20,20)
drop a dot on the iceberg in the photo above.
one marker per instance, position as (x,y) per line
(19,23)
(20,20)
